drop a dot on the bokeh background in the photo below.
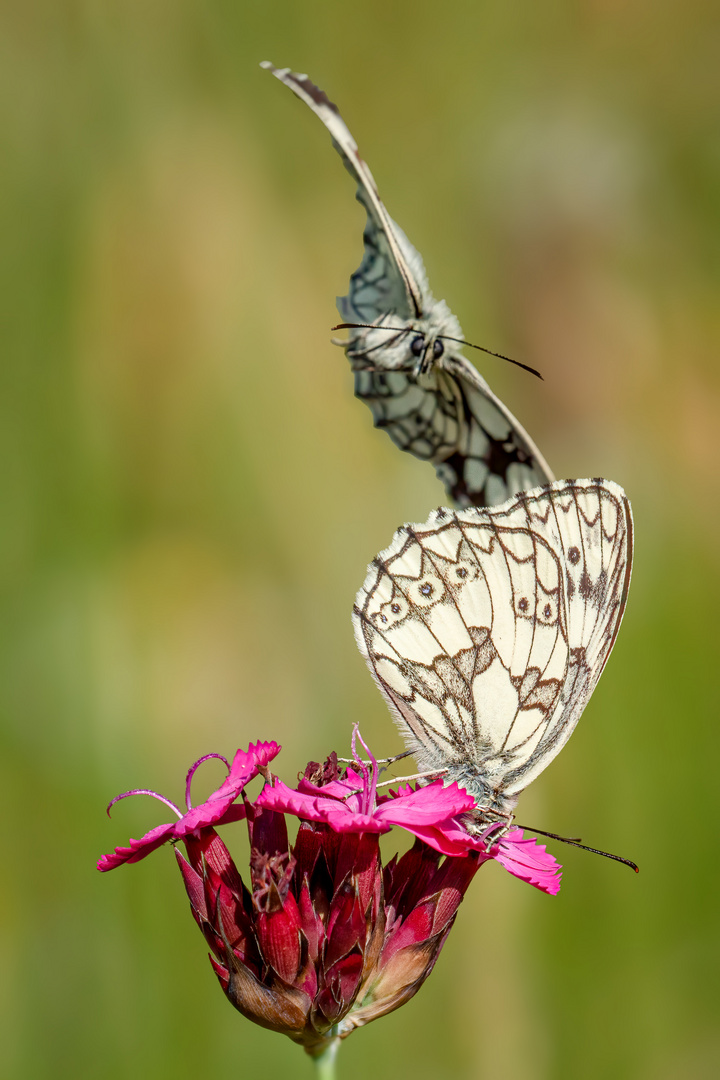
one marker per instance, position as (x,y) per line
(190,492)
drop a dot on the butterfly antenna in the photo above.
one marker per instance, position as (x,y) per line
(576,843)
(443,337)
(372,326)
(500,356)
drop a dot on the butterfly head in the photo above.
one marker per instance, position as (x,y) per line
(427,351)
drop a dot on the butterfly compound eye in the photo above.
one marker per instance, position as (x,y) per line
(417,346)
(438,349)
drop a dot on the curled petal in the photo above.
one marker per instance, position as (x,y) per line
(218,808)
(245,767)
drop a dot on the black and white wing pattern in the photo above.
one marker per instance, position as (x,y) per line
(487,630)
(429,398)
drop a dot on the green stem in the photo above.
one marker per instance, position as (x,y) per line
(325,1062)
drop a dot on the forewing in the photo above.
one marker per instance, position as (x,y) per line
(487,635)
(589,524)
(451,418)
(391,278)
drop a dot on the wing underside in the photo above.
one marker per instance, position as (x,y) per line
(488,630)
(480,452)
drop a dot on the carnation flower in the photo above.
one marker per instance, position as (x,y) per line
(323,939)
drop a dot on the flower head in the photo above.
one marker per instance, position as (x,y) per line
(324,940)
(320,938)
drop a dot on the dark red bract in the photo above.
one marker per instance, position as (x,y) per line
(324,940)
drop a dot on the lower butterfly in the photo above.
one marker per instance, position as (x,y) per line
(487,630)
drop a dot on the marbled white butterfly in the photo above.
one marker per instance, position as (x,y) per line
(408,366)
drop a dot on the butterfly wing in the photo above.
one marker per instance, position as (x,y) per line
(391,278)
(487,630)
(451,418)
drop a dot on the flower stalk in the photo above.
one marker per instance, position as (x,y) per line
(326,1058)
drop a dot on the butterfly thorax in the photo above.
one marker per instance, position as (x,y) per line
(412,346)
(491,801)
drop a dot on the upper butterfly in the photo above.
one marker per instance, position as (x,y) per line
(487,630)
(431,400)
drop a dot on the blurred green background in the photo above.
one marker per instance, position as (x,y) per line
(191,493)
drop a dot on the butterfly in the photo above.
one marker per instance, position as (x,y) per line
(408,366)
(488,629)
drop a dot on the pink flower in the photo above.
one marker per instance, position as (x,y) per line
(216,809)
(431,813)
(323,939)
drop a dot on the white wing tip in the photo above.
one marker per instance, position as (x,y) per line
(283,73)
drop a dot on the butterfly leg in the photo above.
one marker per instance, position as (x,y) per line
(415,776)
(381,761)
(490,834)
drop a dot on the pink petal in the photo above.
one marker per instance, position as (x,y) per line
(216,809)
(317,808)
(427,805)
(212,812)
(525,858)
(138,848)
(449,838)
(530,861)
(245,767)
(348,822)
(337,789)
(284,799)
